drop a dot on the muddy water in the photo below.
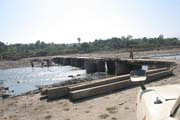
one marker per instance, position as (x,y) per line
(21,80)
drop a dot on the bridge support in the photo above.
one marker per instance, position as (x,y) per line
(79,63)
(101,66)
(90,66)
(72,62)
(122,68)
(58,60)
(110,67)
(66,61)
(61,60)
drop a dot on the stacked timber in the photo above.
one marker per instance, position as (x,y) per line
(102,86)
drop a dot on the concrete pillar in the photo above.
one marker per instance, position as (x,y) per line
(101,66)
(122,68)
(55,60)
(72,62)
(110,67)
(57,92)
(81,63)
(58,60)
(90,66)
(77,63)
(66,61)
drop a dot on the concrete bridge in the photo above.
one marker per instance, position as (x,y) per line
(120,67)
(113,66)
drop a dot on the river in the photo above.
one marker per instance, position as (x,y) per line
(22,80)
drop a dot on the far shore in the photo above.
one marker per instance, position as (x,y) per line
(25,62)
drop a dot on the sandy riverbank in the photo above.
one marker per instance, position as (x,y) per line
(117,106)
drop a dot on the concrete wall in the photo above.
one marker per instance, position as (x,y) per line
(83,93)
(100,89)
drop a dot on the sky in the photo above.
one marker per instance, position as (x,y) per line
(63,21)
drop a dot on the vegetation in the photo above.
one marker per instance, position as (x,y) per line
(40,48)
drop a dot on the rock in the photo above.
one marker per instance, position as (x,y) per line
(71,76)
(5,95)
(6,88)
(78,75)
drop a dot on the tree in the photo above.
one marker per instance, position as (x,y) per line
(161,36)
(40,48)
(79,40)
(38,44)
(2,47)
(85,47)
(129,37)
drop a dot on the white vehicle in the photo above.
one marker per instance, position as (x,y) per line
(156,103)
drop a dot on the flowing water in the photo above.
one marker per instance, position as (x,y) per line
(167,56)
(22,80)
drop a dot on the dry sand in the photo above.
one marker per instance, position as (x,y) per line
(119,105)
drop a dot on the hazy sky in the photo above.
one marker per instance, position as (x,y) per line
(63,21)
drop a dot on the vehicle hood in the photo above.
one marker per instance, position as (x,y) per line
(167,92)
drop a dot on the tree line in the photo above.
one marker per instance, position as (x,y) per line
(40,48)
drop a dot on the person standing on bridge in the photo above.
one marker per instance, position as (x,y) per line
(131,56)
